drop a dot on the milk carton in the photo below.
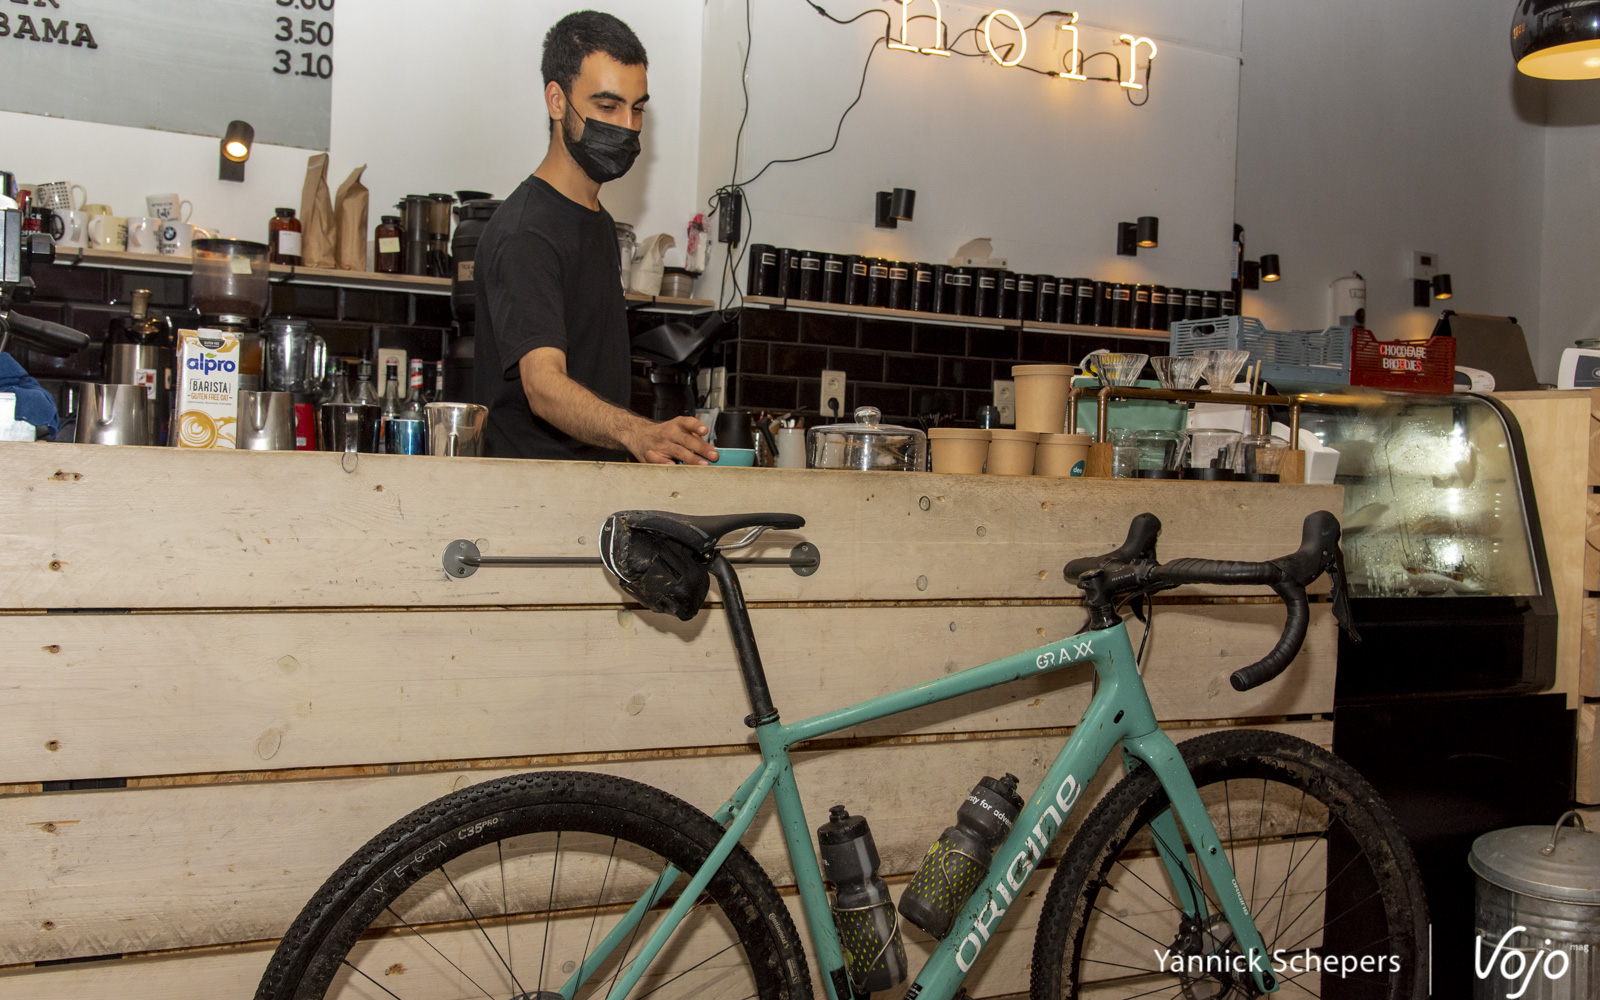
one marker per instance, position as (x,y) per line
(206,404)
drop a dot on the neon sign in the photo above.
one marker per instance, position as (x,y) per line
(1074,59)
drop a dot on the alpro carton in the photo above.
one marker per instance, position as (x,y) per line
(206,406)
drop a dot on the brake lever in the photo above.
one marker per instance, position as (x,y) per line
(1341,594)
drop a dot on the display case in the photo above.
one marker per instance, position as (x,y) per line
(1443,551)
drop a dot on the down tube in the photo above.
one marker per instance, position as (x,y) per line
(1092,741)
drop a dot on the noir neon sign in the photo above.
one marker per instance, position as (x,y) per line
(1074,60)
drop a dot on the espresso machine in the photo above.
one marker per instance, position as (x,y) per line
(141,350)
(229,290)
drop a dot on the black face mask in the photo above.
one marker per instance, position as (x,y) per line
(605,151)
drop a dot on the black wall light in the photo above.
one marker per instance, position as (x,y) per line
(1424,291)
(236,144)
(1253,272)
(1131,236)
(1557,39)
(894,207)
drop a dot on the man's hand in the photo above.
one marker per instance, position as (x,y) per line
(682,439)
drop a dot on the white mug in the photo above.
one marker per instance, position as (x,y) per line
(168,206)
(57,194)
(144,234)
(108,232)
(175,237)
(96,209)
(71,229)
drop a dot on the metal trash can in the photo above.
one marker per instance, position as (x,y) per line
(1537,915)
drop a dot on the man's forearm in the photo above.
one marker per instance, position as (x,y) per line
(572,408)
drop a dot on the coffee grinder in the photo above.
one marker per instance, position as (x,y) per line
(229,291)
(141,349)
(472,217)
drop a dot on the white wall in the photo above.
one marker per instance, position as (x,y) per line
(1569,306)
(430,97)
(1358,145)
(1046,167)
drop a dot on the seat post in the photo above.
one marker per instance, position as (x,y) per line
(744,643)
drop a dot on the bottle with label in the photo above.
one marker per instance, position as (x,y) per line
(365,391)
(389,257)
(283,237)
(438,382)
(956,863)
(391,399)
(404,432)
(874,953)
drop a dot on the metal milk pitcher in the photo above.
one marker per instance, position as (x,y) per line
(113,414)
(266,421)
(456,429)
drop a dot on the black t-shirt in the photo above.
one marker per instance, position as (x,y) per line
(548,275)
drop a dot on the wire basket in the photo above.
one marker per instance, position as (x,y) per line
(1293,361)
(1404,365)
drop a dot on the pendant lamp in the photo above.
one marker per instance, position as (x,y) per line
(1557,39)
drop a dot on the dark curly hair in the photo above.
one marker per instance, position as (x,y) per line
(579,34)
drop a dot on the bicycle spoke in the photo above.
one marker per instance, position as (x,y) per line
(424,938)
(1233,850)
(1160,944)
(487,939)
(1136,875)
(505,905)
(1373,895)
(1299,814)
(379,985)
(690,969)
(1191,867)
(1131,968)
(598,899)
(549,912)
(621,964)
(1261,815)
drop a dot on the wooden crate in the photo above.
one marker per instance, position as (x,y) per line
(265,651)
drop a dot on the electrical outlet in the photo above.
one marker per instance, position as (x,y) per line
(1424,265)
(1005,400)
(832,394)
(702,384)
(717,398)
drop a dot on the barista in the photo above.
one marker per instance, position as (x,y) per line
(552,350)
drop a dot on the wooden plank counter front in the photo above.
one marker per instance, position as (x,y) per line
(225,671)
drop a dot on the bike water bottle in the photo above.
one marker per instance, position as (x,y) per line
(874,954)
(958,860)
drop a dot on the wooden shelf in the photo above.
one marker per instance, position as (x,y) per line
(280,273)
(944,319)
(668,303)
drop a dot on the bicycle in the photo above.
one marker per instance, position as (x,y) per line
(1149,899)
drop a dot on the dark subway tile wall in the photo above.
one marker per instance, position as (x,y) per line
(912,372)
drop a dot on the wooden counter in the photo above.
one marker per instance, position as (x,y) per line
(224,671)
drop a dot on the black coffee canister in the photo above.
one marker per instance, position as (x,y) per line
(1192,303)
(809,281)
(877,282)
(1066,300)
(925,279)
(763,278)
(1139,315)
(899,284)
(1158,307)
(1045,298)
(1210,304)
(788,273)
(1026,295)
(855,280)
(1080,311)
(1225,298)
(834,266)
(955,292)
(1008,294)
(1122,307)
(1099,304)
(986,292)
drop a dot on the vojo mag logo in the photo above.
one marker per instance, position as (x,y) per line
(208,364)
(1514,966)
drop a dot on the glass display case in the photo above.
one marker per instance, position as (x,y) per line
(1442,545)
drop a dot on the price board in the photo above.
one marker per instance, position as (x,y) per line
(175,65)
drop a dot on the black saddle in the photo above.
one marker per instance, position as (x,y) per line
(660,557)
(701,533)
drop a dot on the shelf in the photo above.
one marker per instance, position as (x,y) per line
(280,273)
(944,319)
(668,303)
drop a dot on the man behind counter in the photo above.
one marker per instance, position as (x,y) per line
(552,346)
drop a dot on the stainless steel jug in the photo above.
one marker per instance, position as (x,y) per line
(456,429)
(113,414)
(266,421)
(293,359)
(350,426)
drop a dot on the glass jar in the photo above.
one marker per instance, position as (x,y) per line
(867,445)
(389,257)
(283,237)
(627,244)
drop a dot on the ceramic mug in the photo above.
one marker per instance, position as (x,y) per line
(168,207)
(57,194)
(71,229)
(175,237)
(108,232)
(144,234)
(96,209)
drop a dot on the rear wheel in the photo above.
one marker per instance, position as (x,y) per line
(1326,874)
(502,889)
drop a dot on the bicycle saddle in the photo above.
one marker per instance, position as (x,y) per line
(702,532)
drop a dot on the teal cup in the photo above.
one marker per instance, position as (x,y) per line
(736,457)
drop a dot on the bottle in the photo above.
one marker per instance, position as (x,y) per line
(390,256)
(415,399)
(391,401)
(284,237)
(874,954)
(958,860)
(365,391)
(404,433)
(438,382)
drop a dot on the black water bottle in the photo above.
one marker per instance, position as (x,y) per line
(874,954)
(958,860)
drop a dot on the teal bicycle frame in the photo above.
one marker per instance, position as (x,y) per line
(1119,713)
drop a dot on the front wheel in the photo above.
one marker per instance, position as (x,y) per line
(1324,870)
(506,889)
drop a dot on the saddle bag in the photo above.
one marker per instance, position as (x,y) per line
(657,571)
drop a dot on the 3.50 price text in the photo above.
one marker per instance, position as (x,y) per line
(308,32)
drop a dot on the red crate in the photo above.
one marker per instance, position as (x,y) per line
(1403,365)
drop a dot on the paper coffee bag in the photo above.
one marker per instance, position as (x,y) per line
(206,405)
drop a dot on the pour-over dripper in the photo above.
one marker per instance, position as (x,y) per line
(1222,367)
(1178,373)
(1119,368)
